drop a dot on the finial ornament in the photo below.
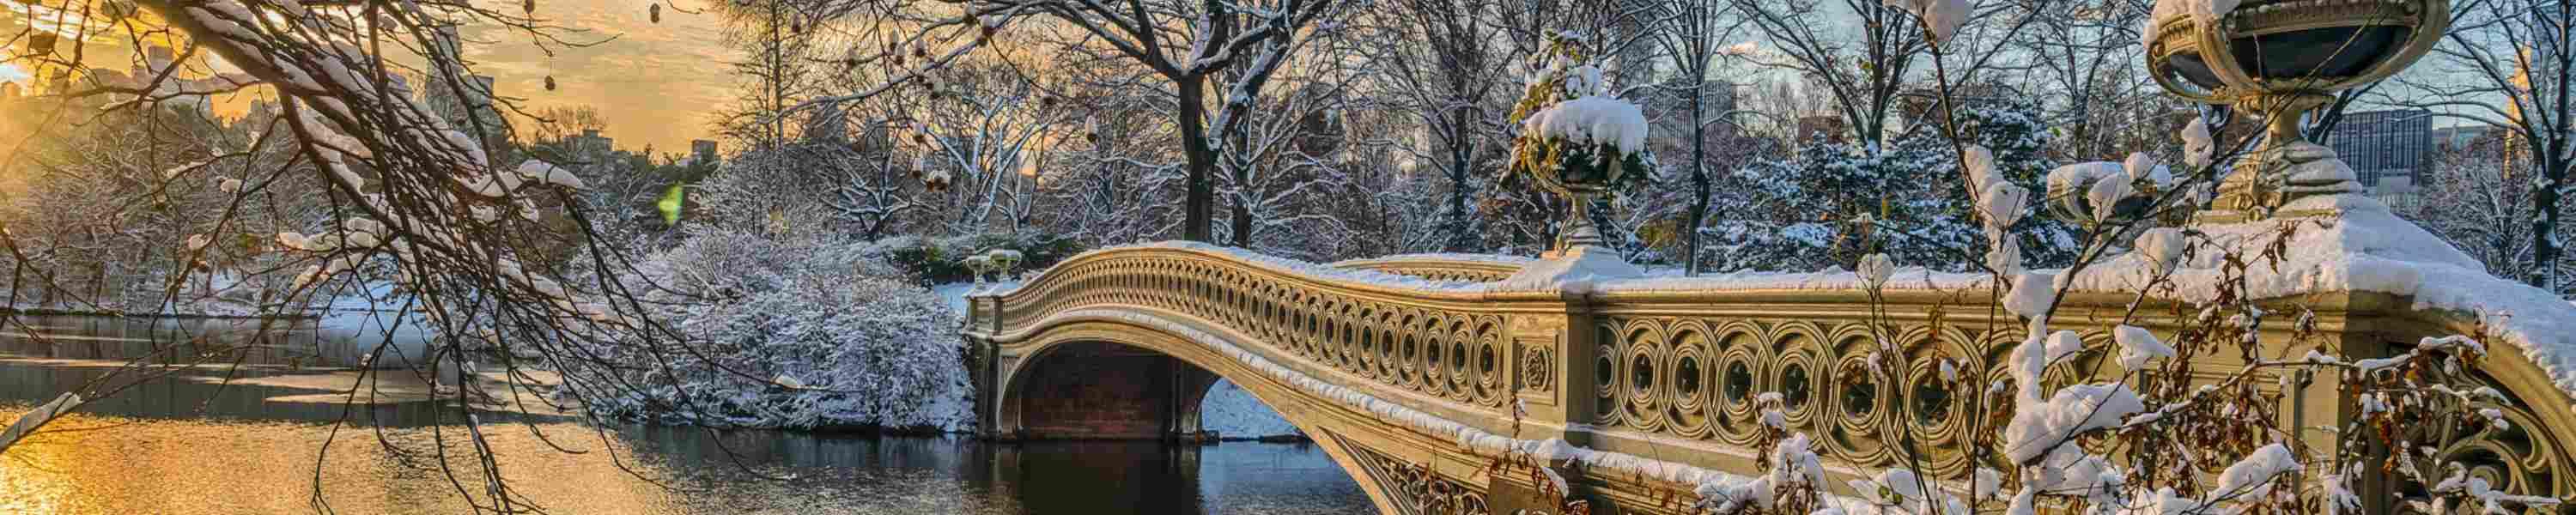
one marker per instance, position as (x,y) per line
(2276,60)
(1577,139)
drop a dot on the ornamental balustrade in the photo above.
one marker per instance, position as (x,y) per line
(1387,366)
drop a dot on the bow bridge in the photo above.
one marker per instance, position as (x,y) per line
(1417,373)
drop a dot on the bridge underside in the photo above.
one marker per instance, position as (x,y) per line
(1100,390)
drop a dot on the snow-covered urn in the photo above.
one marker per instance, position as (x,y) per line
(1004,261)
(2200,54)
(981,265)
(1577,139)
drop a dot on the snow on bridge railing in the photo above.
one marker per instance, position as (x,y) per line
(1443,267)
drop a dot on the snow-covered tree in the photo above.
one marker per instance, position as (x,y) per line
(1696,33)
(1801,211)
(1443,78)
(1181,47)
(2475,197)
(755,352)
(980,141)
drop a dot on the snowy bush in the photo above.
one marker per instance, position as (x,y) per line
(796,334)
(1797,213)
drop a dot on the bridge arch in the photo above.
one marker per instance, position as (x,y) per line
(1030,365)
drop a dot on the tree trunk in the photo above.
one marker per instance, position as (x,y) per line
(1699,179)
(1461,155)
(1239,220)
(1196,222)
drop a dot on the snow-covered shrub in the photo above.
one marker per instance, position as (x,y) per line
(1796,213)
(793,334)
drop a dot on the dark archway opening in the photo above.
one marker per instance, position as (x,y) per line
(1106,391)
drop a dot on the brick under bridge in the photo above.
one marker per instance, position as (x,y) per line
(1411,383)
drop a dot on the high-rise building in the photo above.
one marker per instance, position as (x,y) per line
(2382,145)
(2388,150)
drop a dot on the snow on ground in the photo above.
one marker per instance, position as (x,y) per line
(954,295)
(1232,412)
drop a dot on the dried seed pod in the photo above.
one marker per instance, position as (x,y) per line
(550,83)
(528,5)
(657,13)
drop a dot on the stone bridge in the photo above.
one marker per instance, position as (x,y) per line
(1417,373)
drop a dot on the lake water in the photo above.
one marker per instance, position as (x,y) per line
(190,442)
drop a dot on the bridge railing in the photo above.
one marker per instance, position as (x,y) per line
(1669,369)
(1404,333)
(1676,367)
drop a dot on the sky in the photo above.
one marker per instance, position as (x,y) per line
(657,84)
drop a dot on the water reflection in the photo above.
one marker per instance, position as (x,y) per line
(344,339)
(194,443)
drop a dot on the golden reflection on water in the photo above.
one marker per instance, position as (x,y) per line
(105,465)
